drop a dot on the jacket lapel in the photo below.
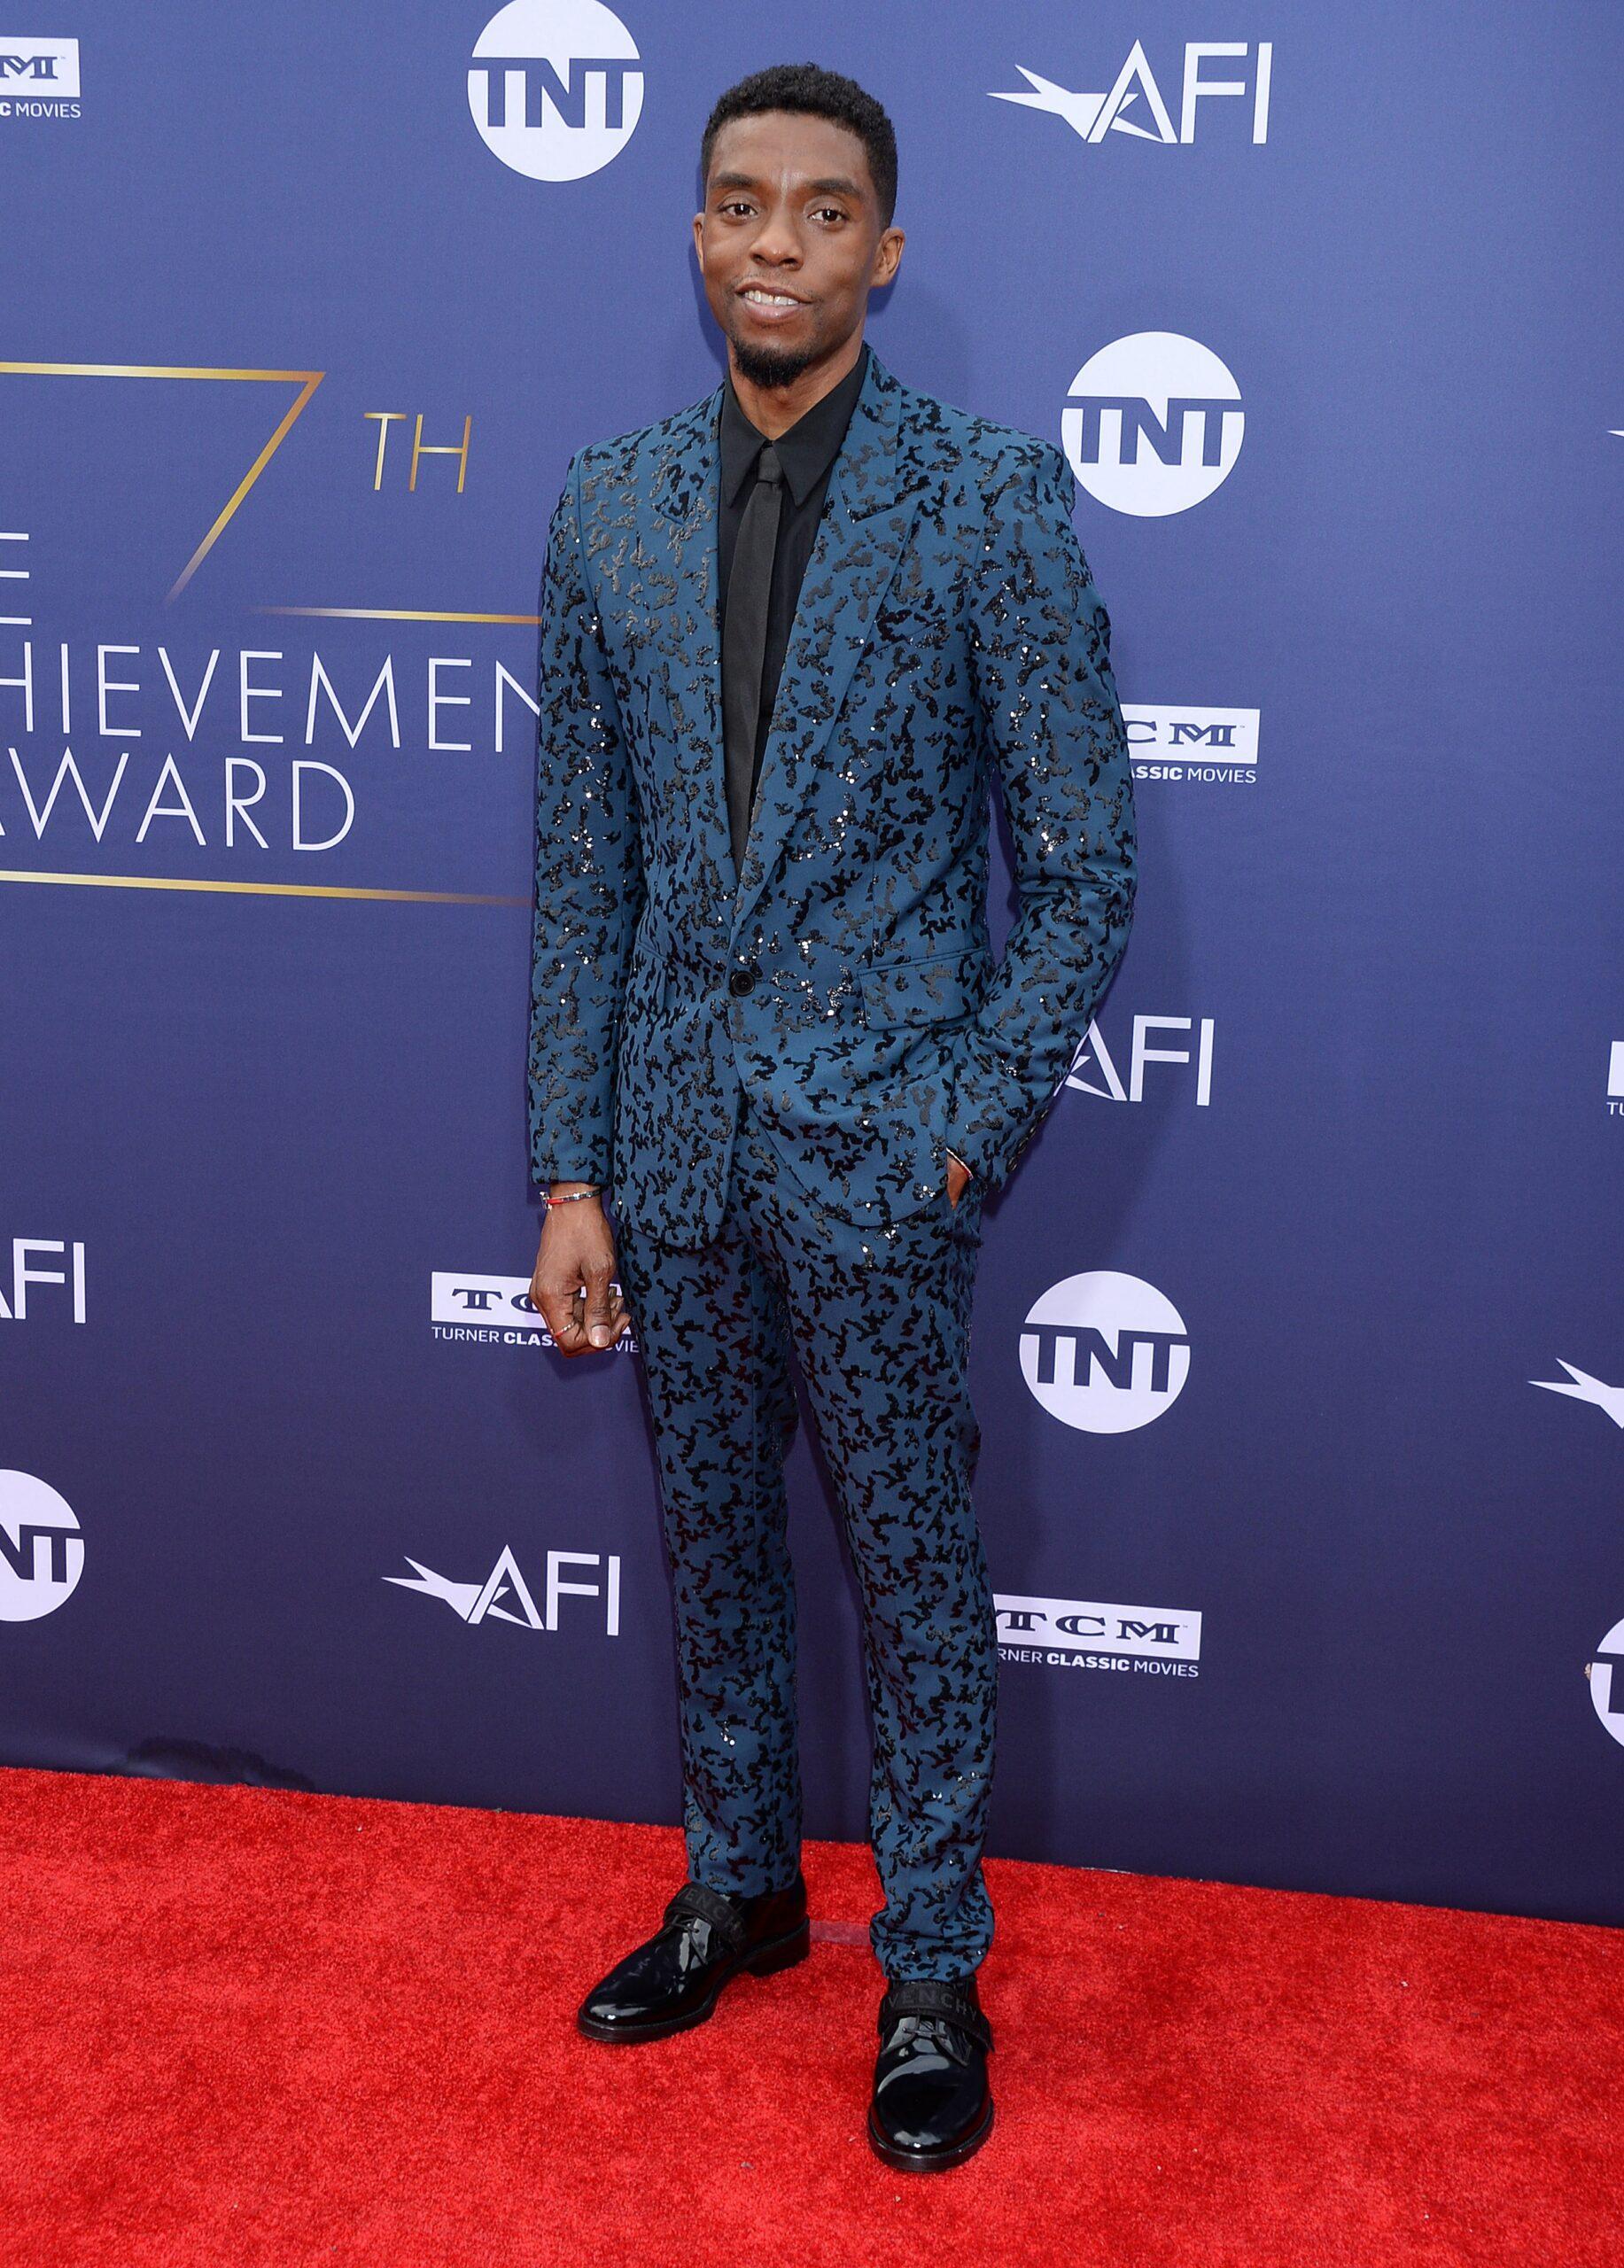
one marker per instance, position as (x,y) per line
(872,495)
(684,494)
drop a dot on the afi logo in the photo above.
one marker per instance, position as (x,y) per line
(1105,1352)
(1135,89)
(25,1252)
(1096,1056)
(505,1597)
(42,1552)
(1154,423)
(1608,1399)
(555,86)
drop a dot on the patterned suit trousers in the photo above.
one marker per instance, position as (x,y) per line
(879,1322)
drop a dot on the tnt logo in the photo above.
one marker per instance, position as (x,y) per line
(1154,423)
(1606,1676)
(42,1552)
(555,86)
(1105,1352)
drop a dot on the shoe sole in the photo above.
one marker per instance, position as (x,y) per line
(930,2161)
(766,1961)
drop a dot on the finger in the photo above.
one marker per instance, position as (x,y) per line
(560,1311)
(602,1316)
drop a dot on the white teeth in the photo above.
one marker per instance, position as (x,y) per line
(772,299)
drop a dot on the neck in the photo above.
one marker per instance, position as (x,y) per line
(772,410)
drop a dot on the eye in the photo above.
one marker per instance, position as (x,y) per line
(834,210)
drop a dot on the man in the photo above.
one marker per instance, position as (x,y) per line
(766,1014)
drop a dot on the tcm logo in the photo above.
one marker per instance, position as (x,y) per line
(1105,1352)
(496,1302)
(1136,103)
(65,1276)
(38,66)
(555,86)
(42,1552)
(1096,1056)
(505,1597)
(1154,423)
(495,1311)
(1615,1078)
(1192,742)
(1070,1633)
(1606,1676)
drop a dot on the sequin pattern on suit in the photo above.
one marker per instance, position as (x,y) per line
(949,640)
(768,1070)
(878,1322)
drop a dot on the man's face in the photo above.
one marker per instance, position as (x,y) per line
(790,215)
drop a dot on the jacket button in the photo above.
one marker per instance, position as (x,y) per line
(741,981)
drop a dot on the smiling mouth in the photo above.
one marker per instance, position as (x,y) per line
(766,302)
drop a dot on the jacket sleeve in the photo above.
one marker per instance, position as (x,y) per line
(1040,644)
(589,876)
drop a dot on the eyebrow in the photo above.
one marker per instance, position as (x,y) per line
(830,184)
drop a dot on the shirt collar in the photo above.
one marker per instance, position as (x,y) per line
(806,451)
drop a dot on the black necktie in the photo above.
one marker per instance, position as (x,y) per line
(744,639)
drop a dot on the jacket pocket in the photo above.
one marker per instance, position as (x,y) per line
(932,990)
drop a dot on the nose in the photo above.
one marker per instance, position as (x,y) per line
(776,241)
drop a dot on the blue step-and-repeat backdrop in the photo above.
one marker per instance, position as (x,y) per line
(1299,1341)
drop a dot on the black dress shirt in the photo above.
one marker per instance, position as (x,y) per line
(807,453)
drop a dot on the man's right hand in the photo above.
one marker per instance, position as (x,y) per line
(571,1288)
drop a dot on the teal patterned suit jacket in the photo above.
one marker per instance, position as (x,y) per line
(948,641)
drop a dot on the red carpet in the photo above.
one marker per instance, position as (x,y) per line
(250,2027)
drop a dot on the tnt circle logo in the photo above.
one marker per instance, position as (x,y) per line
(42,1552)
(1154,423)
(555,86)
(1105,1352)
(1606,1676)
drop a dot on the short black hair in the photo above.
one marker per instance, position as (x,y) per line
(824,94)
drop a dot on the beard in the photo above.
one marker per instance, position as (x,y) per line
(772,366)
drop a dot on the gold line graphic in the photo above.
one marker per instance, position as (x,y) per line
(395,614)
(261,890)
(307,381)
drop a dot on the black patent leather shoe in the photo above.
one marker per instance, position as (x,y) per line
(706,1938)
(932,2106)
